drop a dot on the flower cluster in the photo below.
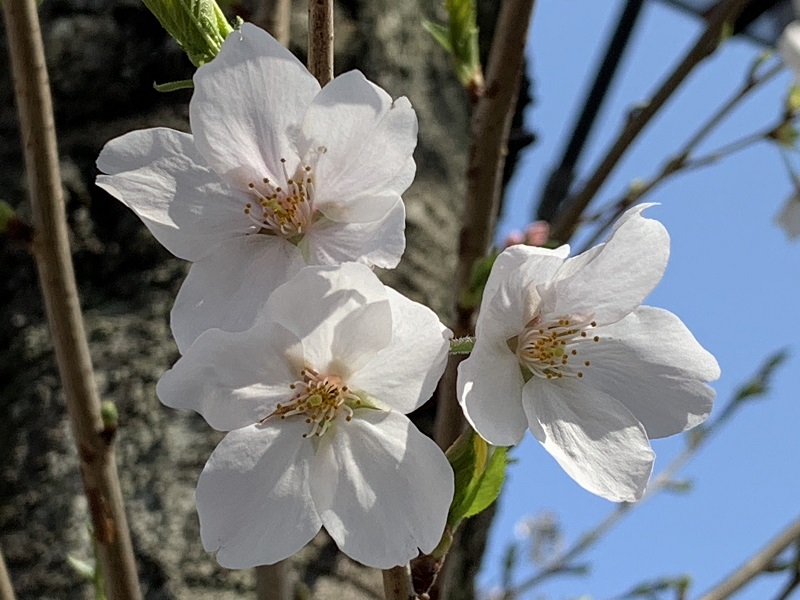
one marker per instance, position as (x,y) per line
(283,197)
(563,348)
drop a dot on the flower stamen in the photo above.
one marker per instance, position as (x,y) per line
(285,211)
(319,398)
(546,349)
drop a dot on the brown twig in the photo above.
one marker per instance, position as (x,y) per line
(680,161)
(397,584)
(567,220)
(320,39)
(50,247)
(272,582)
(275,16)
(489,129)
(756,565)
(6,589)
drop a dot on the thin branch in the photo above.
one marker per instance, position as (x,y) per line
(275,16)
(397,584)
(567,220)
(272,582)
(51,252)
(320,39)
(680,162)
(490,126)
(6,589)
(756,565)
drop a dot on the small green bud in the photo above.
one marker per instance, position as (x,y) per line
(793,99)
(6,214)
(109,415)
(199,26)
(786,135)
(460,39)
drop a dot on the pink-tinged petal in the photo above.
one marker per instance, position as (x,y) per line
(367,141)
(159,175)
(377,244)
(248,105)
(404,373)
(381,488)
(594,438)
(317,300)
(652,363)
(227,288)
(234,379)
(490,393)
(615,279)
(253,496)
(510,299)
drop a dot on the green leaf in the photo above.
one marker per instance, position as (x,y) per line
(440,33)
(81,567)
(459,38)
(174,86)
(199,26)
(479,471)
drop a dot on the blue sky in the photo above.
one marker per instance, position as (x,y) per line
(733,278)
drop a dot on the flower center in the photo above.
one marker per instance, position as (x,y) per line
(286,210)
(550,350)
(320,398)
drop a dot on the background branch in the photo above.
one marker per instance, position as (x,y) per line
(489,129)
(275,16)
(51,252)
(320,39)
(680,162)
(397,584)
(567,220)
(756,565)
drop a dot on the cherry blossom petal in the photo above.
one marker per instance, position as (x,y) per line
(247,107)
(227,288)
(652,364)
(404,374)
(234,379)
(382,489)
(378,243)
(253,496)
(368,140)
(789,47)
(618,276)
(490,391)
(359,337)
(510,298)
(594,438)
(318,299)
(159,174)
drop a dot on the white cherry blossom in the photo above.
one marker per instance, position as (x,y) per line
(789,47)
(314,397)
(563,348)
(276,174)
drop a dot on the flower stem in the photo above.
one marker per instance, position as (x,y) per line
(397,583)
(567,220)
(320,40)
(50,248)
